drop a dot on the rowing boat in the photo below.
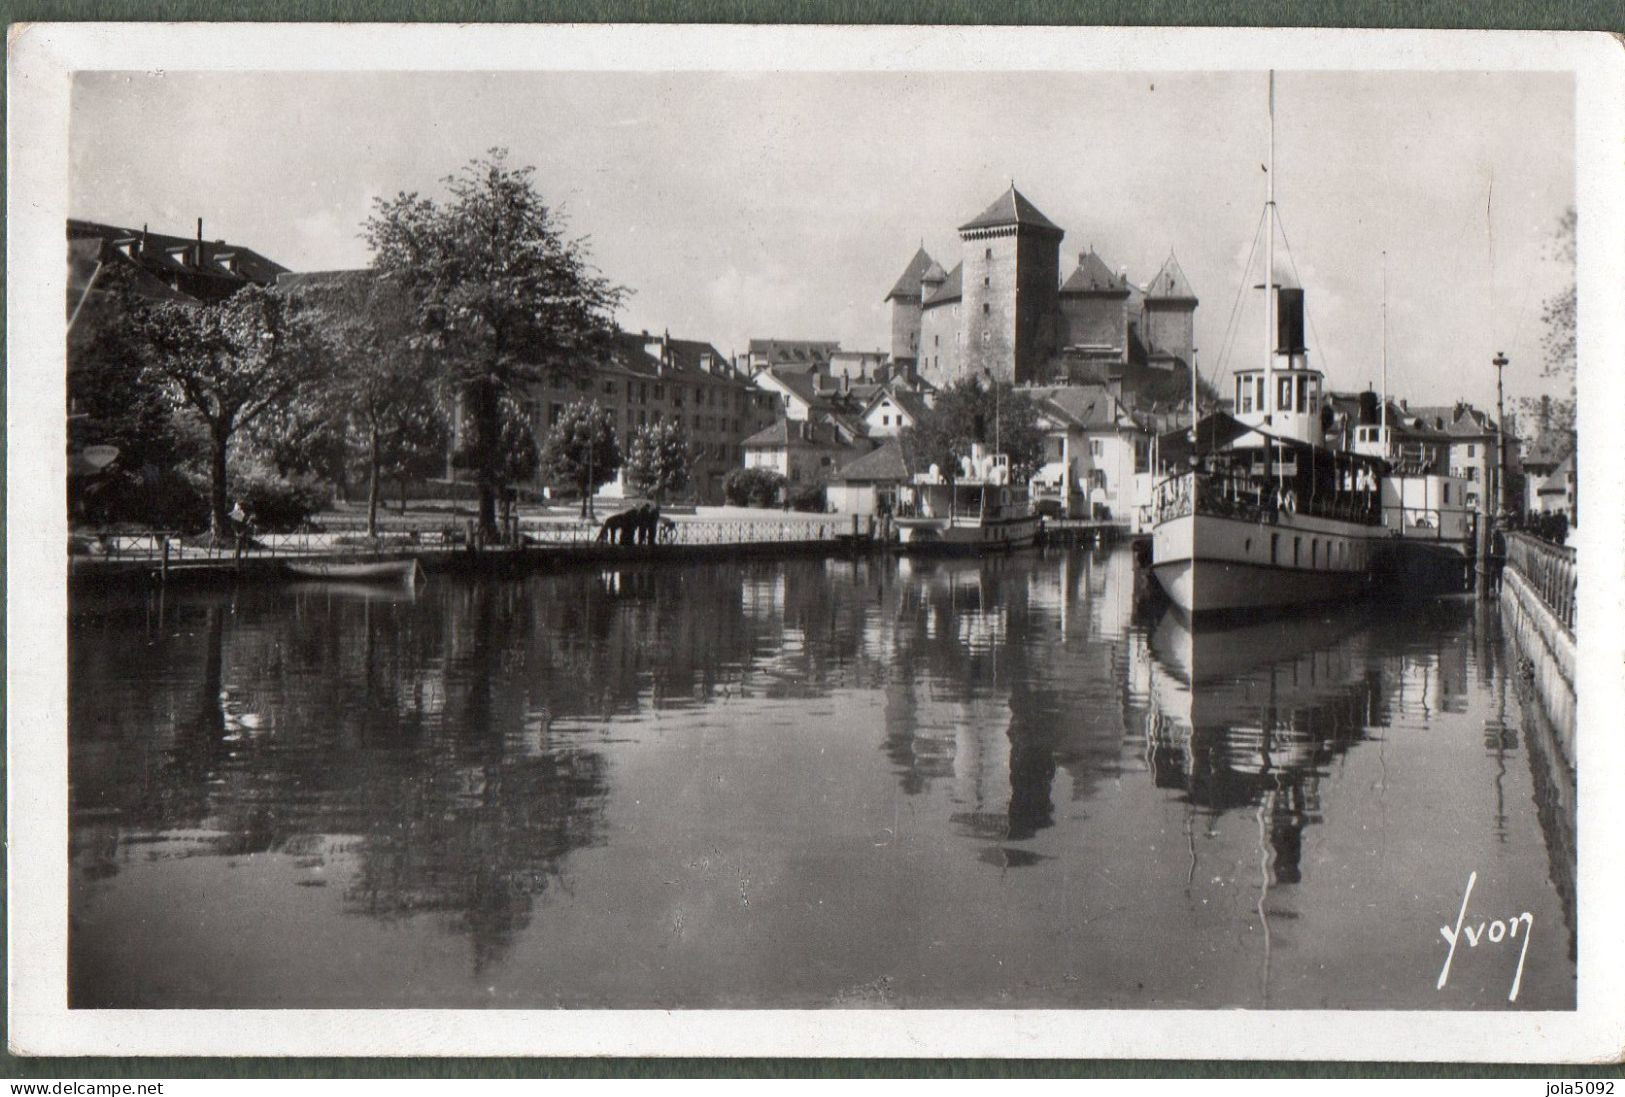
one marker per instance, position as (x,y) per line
(357,571)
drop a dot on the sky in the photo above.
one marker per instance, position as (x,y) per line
(751,205)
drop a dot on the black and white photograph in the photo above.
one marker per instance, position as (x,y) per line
(768,535)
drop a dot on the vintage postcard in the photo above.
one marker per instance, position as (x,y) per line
(824,541)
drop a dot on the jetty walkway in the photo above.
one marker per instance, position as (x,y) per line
(452,546)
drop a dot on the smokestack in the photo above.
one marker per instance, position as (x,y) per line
(1289,321)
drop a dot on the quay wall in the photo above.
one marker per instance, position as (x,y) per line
(1551,652)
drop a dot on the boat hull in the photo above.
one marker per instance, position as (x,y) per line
(370,571)
(1215,564)
(943,535)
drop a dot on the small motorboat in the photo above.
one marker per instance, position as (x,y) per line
(358,571)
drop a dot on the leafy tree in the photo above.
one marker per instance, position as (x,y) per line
(382,385)
(496,291)
(658,461)
(415,447)
(307,436)
(227,364)
(517,455)
(581,449)
(1560,316)
(968,412)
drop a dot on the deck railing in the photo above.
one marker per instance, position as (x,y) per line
(1549,571)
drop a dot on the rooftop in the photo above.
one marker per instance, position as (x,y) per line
(908,283)
(1011,208)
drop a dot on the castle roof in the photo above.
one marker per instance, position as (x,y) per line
(951,288)
(1170,283)
(1094,276)
(907,285)
(1011,208)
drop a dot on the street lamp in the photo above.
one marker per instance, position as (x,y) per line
(1500,362)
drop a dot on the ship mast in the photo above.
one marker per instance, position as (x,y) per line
(1271,396)
(1271,403)
(1383,413)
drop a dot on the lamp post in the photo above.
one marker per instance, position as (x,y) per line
(1500,362)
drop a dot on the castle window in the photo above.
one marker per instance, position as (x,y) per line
(986,281)
(985,309)
(987,337)
(989,253)
(936,340)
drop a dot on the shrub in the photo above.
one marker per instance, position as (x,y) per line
(809,497)
(160,499)
(752,487)
(279,504)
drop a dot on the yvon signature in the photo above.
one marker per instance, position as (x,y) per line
(1498,932)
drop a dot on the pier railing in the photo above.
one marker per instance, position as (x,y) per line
(1549,571)
(551,533)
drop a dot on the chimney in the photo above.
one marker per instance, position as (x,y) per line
(198,258)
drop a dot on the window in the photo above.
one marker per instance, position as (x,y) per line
(1447,495)
(1303,394)
(1247,546)
(936,340)
(660,391)
(609,388)
(988,254)
(885,420)
(1314,552)
(986,281)
(554,413)
(1275,546)
(985,308)
(643,392)
(1297,550)
(1283,394)
(987,338)
(1096,447)
(1472,451)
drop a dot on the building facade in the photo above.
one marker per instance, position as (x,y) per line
(1004,312)
(649,379)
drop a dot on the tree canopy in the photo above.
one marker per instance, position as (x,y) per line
(658,461)
(969,411)
(581,449)
(227,364)
(496,289)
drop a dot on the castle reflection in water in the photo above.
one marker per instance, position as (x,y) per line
(829,782)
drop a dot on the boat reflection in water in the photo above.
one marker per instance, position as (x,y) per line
(1235,728)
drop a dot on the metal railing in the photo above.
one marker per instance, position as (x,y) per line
(1549,571)
(157,547)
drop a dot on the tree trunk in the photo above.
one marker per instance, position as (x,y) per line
(373,485)
(403,494)
(487,437)
(219,511)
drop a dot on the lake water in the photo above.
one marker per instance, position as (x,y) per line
(872,782)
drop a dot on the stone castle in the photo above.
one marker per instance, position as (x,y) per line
(1004,312)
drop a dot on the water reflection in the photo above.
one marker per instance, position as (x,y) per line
(779,783)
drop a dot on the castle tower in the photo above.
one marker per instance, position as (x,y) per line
(1094,310)
(1010,276)
(904,299)
(1170,313)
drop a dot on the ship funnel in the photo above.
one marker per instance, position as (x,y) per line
(1289,321)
